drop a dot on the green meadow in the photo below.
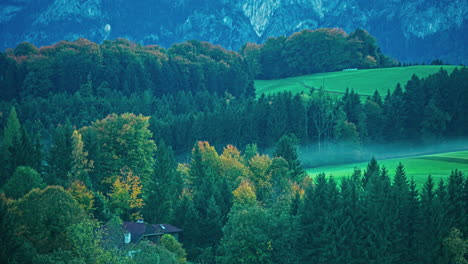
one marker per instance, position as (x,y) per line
(419,167)
(364,82)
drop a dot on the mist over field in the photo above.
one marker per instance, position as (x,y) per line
(344,152)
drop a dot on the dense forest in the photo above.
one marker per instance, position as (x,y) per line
(90,134)
(312,51)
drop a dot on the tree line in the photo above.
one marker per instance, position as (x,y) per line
(123,66)
(191,66)
(422,111)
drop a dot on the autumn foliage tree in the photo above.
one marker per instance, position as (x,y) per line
(125,197)
(118,142)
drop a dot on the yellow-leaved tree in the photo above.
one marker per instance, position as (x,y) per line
(125,198)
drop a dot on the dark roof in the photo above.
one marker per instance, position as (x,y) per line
(138,230)
(167,228)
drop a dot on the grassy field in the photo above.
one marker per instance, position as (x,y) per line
(364,82)
(438,165)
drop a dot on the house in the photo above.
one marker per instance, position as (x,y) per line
(136,231)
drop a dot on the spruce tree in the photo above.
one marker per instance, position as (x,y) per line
(163,188)
(372,171)
(286,148)
(24,179)
(433,226)
(59,160)
(11,138)
(456,199)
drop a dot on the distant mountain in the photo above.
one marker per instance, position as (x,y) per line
(409,30)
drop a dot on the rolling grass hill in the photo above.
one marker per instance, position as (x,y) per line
(364,82)
(438,165)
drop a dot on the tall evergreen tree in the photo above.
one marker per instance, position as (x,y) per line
(286,148)
(23,180)
(456,199)
(11,138)
(433,226)
(163,188)
(372,171)
(59,160)
(379,208)
(319,221)
(246,235)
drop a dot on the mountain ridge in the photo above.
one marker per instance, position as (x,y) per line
(415,31)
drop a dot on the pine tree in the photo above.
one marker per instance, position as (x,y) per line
(381,220)
(251,150)
(456,199)
(372,171)
(187,217)
(251,243)
(23,180)
(351,221)
(319,221)
(433,226)
(16,149)
(163,188)
(286,148)
(59,160)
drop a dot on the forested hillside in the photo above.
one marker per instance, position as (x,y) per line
(90,135)
(312,51)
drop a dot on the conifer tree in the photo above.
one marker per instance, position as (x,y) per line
(17,148)
(59,160)
(319,221)
(251,243)
(433,226)
(286,148)
(163,188)
(456,199)
(23,180)
(372,171)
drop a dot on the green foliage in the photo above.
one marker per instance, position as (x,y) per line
(45,216)
(250,151)
(171,244)
(457,247)
(246,236)
(58,257)
(120,141)
(17,148)
(86,67)
(59,160)
(9,240)
(23,180)
(163,187)
(321,50)
(147,253)
(286,148)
